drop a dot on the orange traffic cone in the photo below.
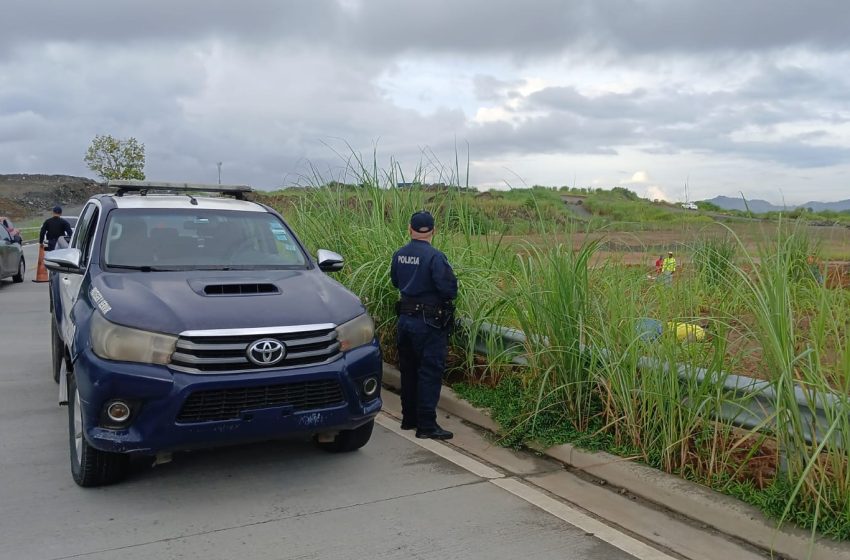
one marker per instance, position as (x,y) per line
(41,271)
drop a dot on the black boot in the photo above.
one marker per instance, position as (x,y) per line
(434,433)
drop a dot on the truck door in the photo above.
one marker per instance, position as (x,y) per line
(69,284)
(7,251)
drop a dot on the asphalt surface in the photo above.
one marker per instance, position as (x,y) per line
(392,499)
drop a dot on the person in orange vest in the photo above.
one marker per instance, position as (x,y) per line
(658,264)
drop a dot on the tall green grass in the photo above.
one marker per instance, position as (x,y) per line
(548,294)
(657,401)
(714,258)
(815,460)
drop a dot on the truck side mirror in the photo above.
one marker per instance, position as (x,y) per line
(63,260)
(329,261)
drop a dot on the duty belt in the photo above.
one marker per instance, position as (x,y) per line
(411,308)
(439,316)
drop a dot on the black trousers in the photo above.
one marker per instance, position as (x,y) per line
(422,354)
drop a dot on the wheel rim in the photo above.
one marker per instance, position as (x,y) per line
(78,425)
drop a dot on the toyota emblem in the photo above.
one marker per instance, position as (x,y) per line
(266,352)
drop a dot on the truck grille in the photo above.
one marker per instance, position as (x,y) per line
(229,404)
(226,351)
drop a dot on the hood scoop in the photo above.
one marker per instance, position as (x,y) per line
(240,289)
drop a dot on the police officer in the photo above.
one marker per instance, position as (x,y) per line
(428,287)
(54,228)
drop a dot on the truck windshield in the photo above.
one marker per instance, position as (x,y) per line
(168,239)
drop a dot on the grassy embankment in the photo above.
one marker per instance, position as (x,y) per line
(768,316)
(30,228)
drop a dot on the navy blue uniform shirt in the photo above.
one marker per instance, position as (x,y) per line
(423,274)
(53,228)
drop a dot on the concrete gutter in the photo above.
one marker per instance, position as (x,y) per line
(699,503)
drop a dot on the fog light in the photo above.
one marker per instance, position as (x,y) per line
(118,411)
(370,386)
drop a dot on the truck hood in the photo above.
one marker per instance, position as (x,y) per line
(173,302)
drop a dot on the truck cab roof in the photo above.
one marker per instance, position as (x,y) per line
(169,195)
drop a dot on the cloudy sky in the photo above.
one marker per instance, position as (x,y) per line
(729,96)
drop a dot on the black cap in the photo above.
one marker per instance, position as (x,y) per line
(422,221)
(57,209)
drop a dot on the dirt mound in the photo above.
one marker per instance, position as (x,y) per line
(12,209)
(23,195)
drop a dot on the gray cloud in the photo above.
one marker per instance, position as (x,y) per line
(389,27)
(122,23)
(697,26)
(607,106)
(266,87)
(670,121)
(627,26)
(558,133)
(490,88)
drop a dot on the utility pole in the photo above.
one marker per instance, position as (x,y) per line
(219,172)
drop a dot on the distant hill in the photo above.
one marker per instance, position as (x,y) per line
(838,206)
(759,206)
(23,195)
(756,205)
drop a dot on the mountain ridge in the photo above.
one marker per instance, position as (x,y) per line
(760,206)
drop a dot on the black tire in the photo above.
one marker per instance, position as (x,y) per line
(22,270)
(349,440)
(90,466)
(57,350)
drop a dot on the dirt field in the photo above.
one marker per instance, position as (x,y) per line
(643,247)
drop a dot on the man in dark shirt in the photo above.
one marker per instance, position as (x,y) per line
(428,287)
(54,228)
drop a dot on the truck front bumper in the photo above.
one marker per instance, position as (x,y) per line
(159,398)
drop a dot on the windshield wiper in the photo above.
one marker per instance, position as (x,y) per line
(143,268)
(252,267)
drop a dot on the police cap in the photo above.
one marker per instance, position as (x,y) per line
(422,221)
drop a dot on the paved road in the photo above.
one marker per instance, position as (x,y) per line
(392,499)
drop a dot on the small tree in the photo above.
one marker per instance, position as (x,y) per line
(112,158)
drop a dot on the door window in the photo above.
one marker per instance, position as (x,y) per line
(82,227)
(84,233)
(88,237)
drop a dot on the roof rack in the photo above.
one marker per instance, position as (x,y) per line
(143,187)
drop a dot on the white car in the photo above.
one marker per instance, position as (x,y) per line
(690,206)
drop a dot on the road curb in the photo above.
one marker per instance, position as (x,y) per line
(723,513)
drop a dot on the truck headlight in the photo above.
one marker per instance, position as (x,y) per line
(115,342)
(356,332)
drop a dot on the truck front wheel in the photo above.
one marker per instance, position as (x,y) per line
(349,440)
(90,466)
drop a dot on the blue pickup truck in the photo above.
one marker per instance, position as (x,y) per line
(181,321)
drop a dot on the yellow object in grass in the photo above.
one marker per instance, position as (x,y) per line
(686,332)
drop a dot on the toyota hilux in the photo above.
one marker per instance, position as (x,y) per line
(187,316)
